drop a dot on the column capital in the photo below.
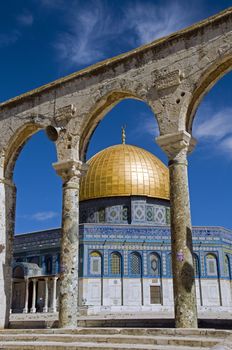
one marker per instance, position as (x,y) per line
(176,145)
(70,168)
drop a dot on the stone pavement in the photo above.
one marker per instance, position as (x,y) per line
(116,338)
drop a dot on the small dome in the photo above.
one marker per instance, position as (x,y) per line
(124,170)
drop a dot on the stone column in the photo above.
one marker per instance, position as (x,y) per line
(177,146)
(45,308)
(25,310)
(33,308)
(70,171)
(53,306)
(11,300)
(7,220)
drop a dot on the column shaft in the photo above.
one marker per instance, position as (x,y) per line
(45,308)
(25,310)
(181,240)
(177,146)
(33,308)
(53,308)
(70,171)
(69,256)
(7,220)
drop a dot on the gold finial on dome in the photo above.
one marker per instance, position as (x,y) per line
(123,134)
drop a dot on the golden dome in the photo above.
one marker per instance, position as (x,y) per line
(124,170)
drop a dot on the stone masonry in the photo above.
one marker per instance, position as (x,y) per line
(171,75)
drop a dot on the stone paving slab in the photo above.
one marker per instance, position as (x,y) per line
(125,331)
(125,339)
(89,346)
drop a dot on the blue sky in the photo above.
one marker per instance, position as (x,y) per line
(42,40)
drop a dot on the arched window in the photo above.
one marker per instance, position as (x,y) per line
(154,264)
(115,265)
(227,267)
(211,265)
(196,265)
(95,263)
(18,272)
(136,265)
(48,264)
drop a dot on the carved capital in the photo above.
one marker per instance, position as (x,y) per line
(70,169)
(176,146)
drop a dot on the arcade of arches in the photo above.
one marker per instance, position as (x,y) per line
(171,75)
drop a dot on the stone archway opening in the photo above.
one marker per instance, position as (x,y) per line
(108,108)
(124,286)
(38,201)
(28,168)
(210,184)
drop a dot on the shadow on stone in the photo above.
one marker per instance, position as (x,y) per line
(187,276)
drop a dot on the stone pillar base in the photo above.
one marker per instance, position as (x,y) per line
(25,311)
(32,310)
(45,309)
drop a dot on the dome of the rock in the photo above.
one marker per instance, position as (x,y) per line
(124,170)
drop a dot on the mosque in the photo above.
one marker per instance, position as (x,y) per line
(125,245)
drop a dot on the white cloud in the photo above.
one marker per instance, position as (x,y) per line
(215,126)
(146,124)
(40,216)
(44,215)
(226,145)
(26,18)
(93,28)
(214,129)
(149,21)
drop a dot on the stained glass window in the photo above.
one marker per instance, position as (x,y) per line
(211,263)
(95,263)
(154,264)
(115,264)
(135,264)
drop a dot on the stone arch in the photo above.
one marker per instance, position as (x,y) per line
(99,111)
(15,145)
(18,272)
(207,80)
